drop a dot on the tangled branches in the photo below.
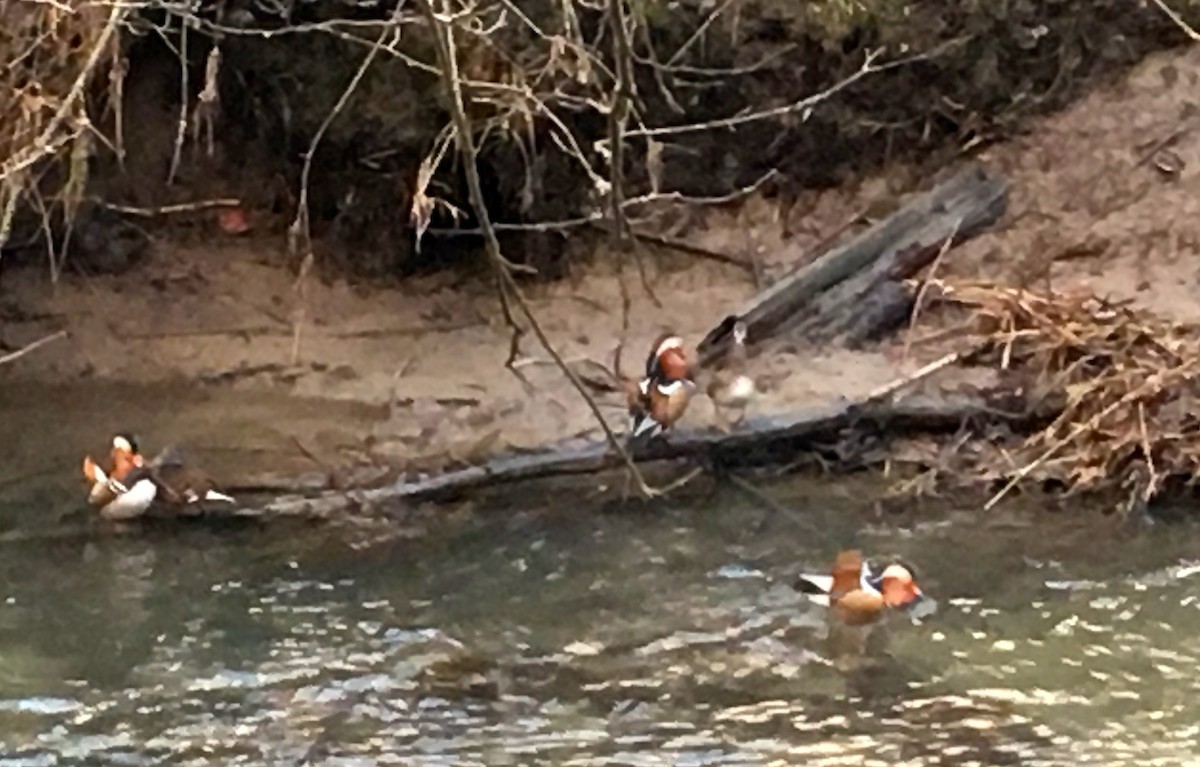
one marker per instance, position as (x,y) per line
(50,53)
(1124,382)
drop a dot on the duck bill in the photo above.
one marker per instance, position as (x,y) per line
(922,606)
(902,597)
(916,604)
(92,471)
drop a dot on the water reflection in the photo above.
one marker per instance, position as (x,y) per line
(670,638)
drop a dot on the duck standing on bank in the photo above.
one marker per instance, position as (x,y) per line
(731,388)
(134,486)
(660,399)
(859,598)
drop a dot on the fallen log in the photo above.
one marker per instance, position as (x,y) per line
(760,441)
(851,291)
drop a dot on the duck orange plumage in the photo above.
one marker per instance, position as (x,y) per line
(660,398)
(668,359)
(124,458)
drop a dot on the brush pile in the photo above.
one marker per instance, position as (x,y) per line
(49,53)
(1123,382)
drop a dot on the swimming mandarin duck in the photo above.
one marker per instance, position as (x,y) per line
(660,399)
(856,594)
(730,388)
(859,599)
(134,486)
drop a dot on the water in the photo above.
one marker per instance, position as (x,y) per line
(576,637)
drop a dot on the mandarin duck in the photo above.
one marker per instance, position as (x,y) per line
(660,399)
(730,388)
(134,486)
(859,598)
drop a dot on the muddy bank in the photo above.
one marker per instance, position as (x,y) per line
(1091,207)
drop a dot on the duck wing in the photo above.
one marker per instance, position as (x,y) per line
(183,484)
(847,572)
(815,586)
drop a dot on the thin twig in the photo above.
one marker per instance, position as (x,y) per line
(749,489)
(592,218)
(1152,480)
(695,250)
(618,114)
(299,227)
(1184,27)
(919,301)
(623,95)
(164,210)
(700,30)
(19,353)
(888,389)
(244,332)
(181,129)
(803,105)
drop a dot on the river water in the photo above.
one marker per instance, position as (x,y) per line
(566,636)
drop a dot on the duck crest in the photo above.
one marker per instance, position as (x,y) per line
(668,359)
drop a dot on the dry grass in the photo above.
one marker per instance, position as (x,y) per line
(1126,382)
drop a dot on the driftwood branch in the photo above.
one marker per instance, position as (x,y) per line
(855,290)
(763,441)
(760,442)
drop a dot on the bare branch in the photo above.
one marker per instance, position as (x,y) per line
(804,105)
(465,139)
(619,113)
(19,353)
(1184,27)
(299,227)
(592,218)
(181,129)
(48,142)
(700,30)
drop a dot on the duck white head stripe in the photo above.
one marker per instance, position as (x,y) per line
(674,342)
(898,572)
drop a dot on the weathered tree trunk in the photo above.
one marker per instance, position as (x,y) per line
(853,291)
